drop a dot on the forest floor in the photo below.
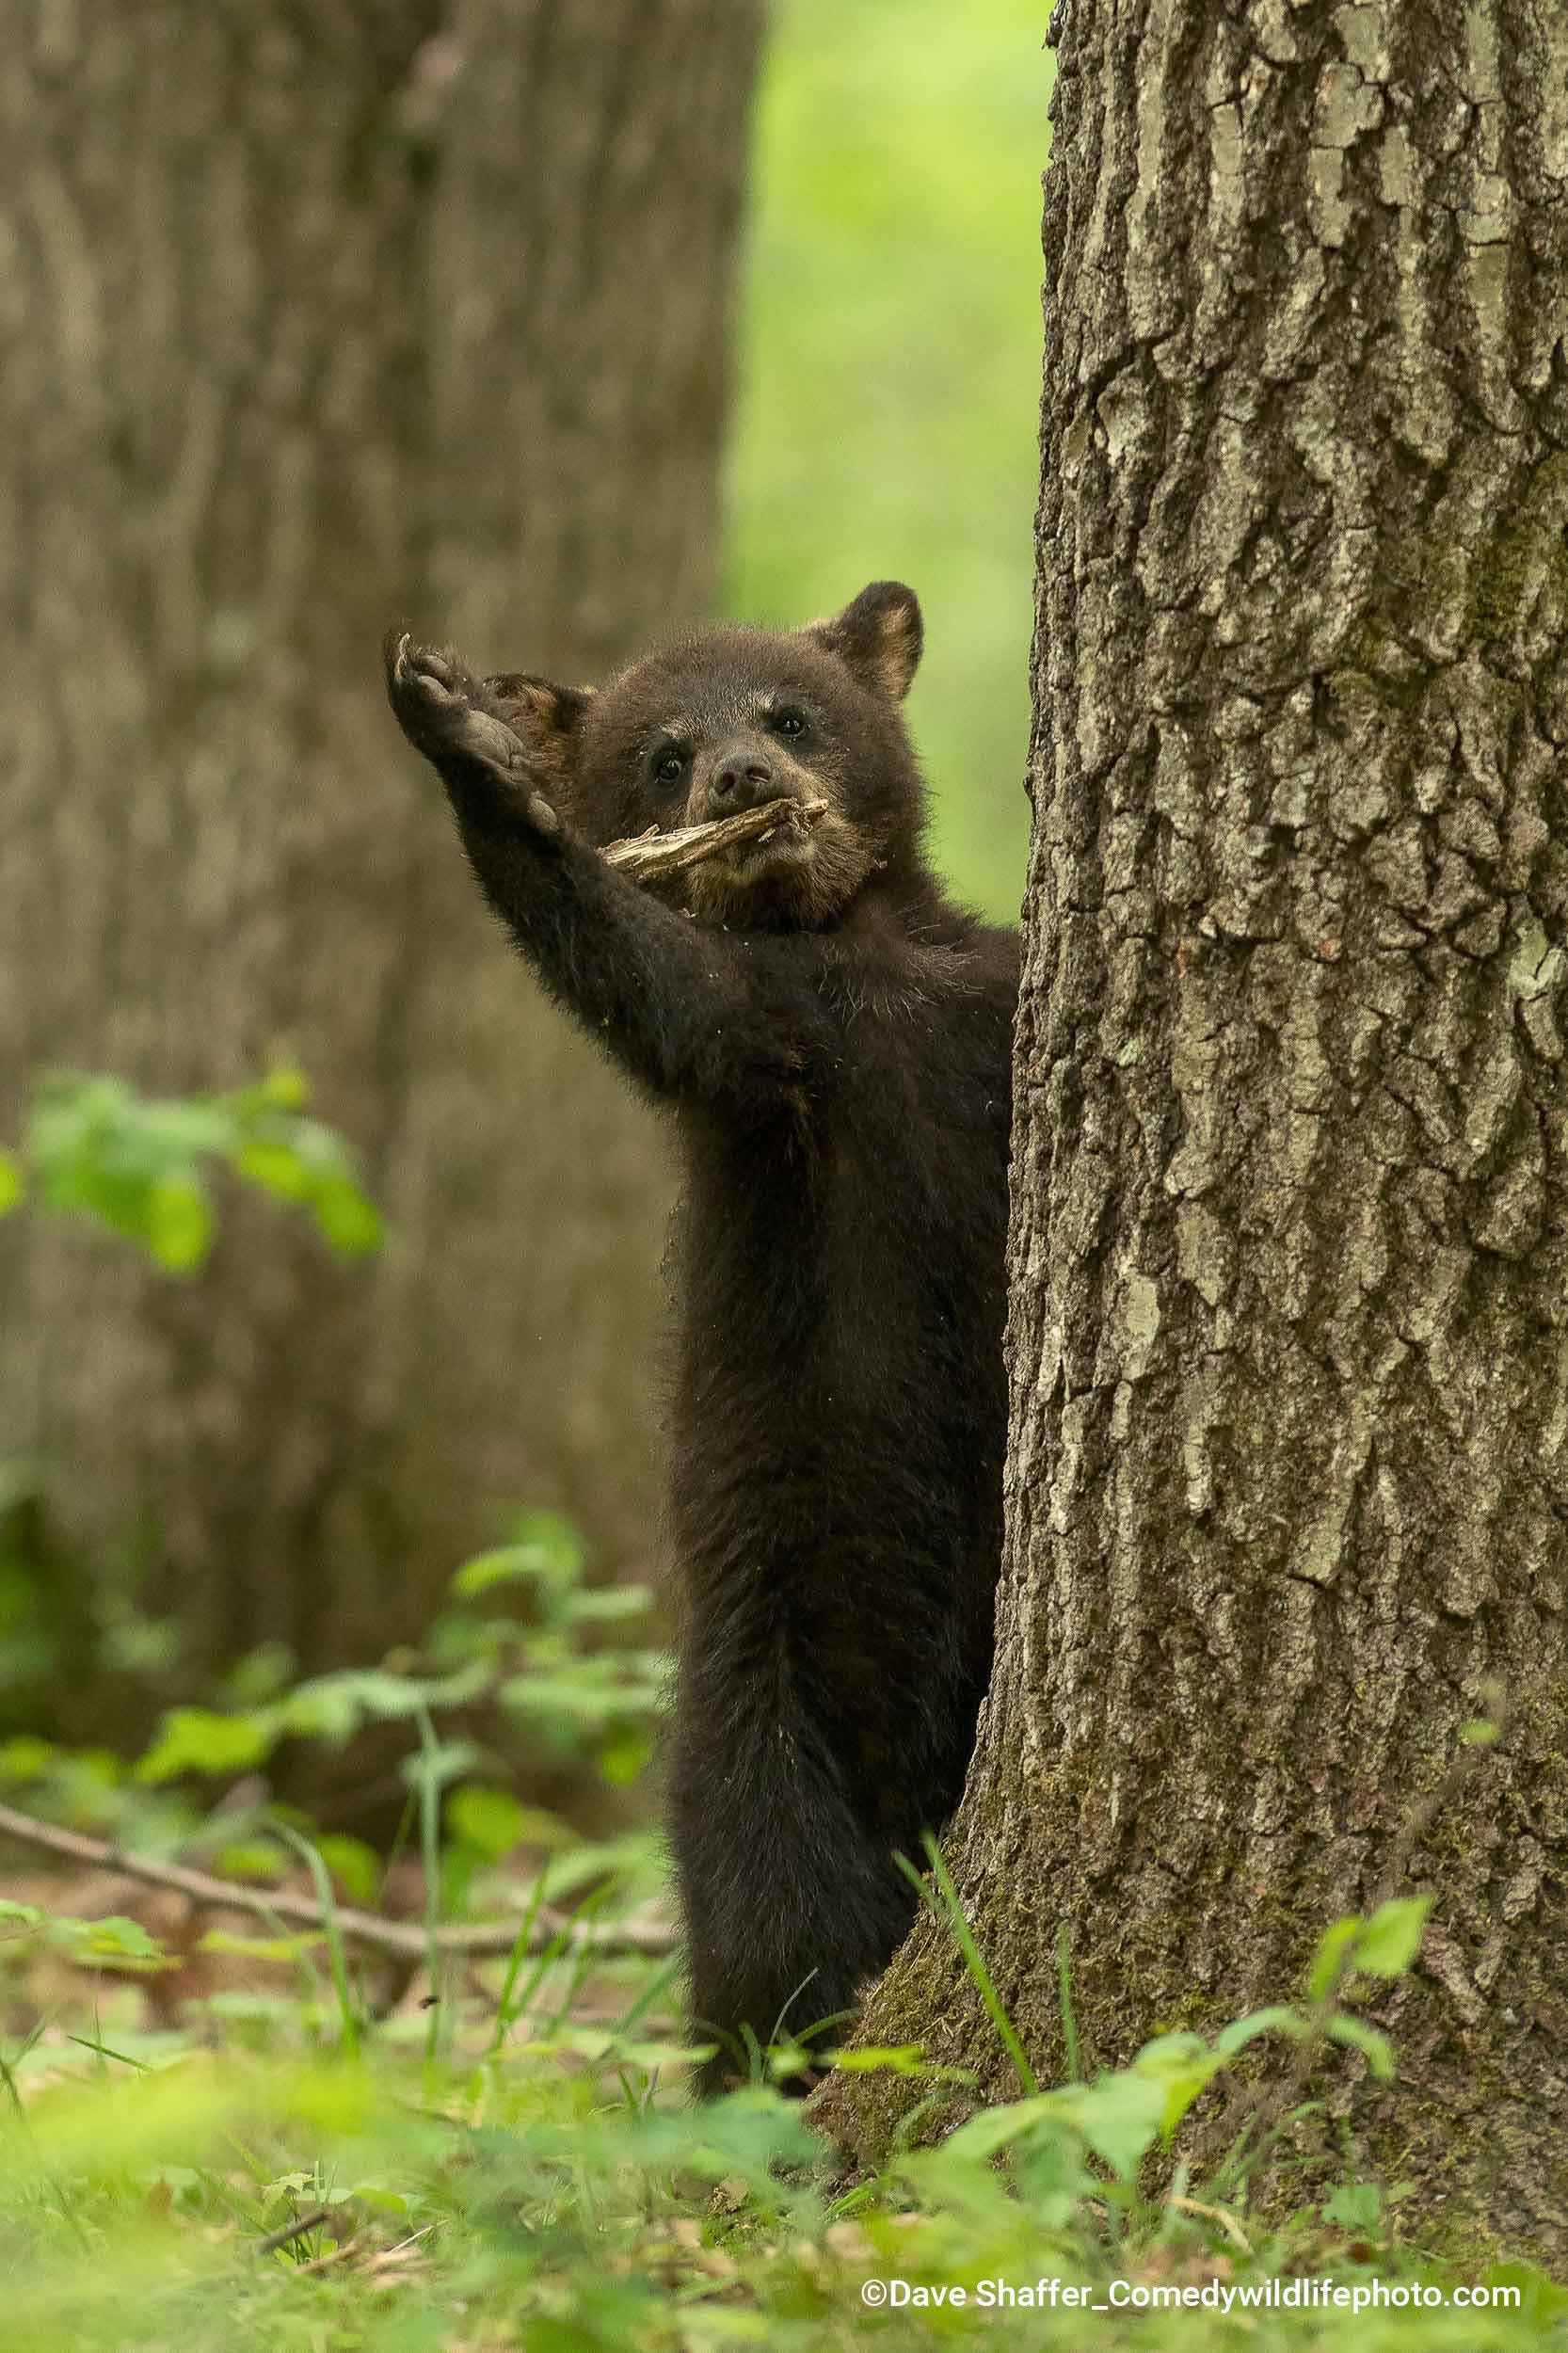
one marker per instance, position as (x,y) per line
(216,2138)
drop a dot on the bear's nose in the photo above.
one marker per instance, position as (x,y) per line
(740,781)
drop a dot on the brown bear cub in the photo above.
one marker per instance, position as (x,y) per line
(833,1037)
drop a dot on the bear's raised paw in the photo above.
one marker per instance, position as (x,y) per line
(443,712)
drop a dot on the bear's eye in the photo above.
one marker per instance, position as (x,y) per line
(788,724)
(670,766)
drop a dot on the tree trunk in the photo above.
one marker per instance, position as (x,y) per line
(1287,1486)
(318,318)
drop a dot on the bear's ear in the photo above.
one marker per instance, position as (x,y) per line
(548,717)
(879,637)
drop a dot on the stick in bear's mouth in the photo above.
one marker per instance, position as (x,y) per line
(649,857)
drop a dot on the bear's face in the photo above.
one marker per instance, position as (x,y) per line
(720,723)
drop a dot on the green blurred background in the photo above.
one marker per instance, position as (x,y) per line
(887,426)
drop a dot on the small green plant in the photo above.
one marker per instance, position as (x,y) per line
(548,2184)
(556,1669)
(110,1943)
(142,1167)
(1092,2139)
(93,1147)
(516,2162)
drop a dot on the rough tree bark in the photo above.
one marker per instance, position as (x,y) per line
(315,316)
(1288,1487)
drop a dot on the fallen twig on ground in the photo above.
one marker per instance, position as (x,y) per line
(404,1940)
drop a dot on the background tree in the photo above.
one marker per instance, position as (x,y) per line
(316,317)
(1289,1340)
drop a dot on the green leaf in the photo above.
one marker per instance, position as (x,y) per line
(301,1160)
(1356,2206)
(540,1828)
(285,1948)
(984,2134)
(113,1939)
(1378,2051)
(660,2055)
(557,1537)
(274,1167)
(199,1740)
(284,1088)
(440,1766)
(633,1859)
(177,1223)
(1326,1960)
(333,1706)
(607,1603)
(140,1646)
(1185,2065)
(120,1939)
(12,1186)
(506,1566)
(25,1757)
(350,1860)
(258,1674)
(1278,2019)
(381,2195)
(587,1696)
(1392,1937)
(624,1755)
(489,1819)
(348,1221)
(137,1164)
(1541,2299)
(1121,2116)
(251,1859)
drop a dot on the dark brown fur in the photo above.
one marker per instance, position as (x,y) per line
(833,1035)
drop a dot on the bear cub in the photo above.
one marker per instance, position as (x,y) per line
(833,1038)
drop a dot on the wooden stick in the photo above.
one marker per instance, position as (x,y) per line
(649,857)
(310,2220)
(404,1940)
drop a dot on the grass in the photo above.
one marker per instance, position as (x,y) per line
(283,2175)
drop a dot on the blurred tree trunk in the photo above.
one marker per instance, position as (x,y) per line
(314,318)
(1287,1485)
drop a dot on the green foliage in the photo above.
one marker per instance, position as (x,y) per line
(533,1668)
(942,1899)
(200,1740)
(139,1165)
(566,1672)
(597,1704)
(547,2184)
(109,1943)
(321,1883)
(1383,1946)
(1120,2118)
(1386,1944)
(545,1553)
(515,2163)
